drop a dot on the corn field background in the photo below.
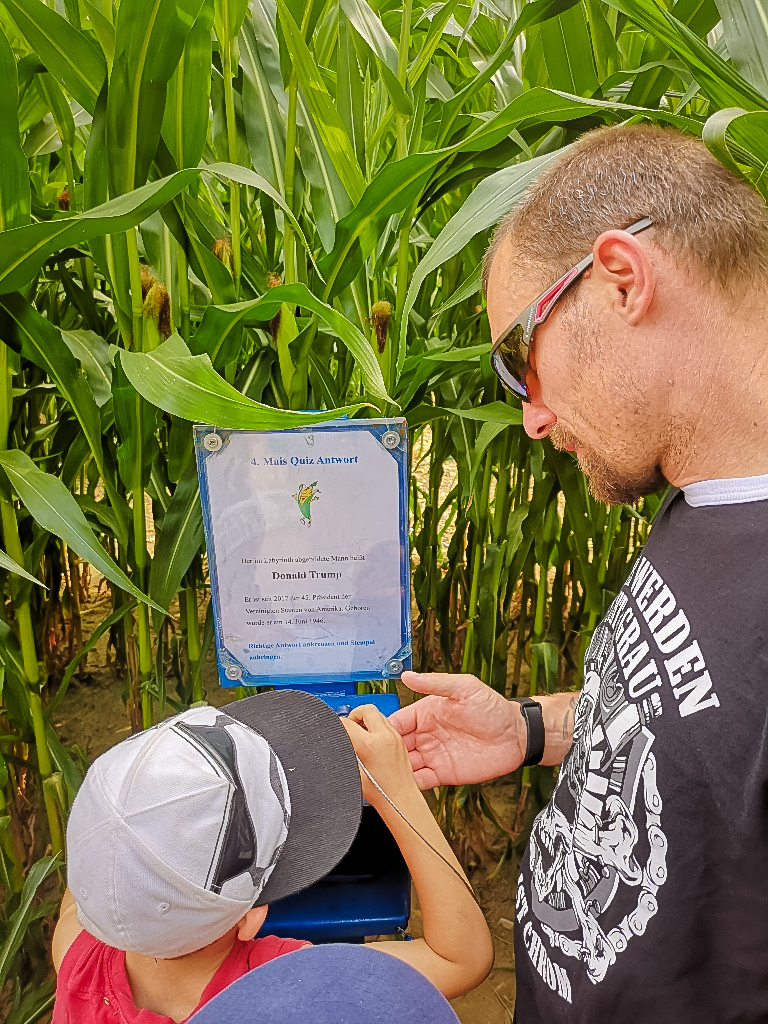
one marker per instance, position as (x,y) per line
(230,211)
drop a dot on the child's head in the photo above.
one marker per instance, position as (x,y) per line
(177,832)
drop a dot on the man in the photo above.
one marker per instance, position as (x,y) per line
(643,895)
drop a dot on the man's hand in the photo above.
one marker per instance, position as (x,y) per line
(463,732)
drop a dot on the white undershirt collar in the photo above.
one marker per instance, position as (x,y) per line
(736,491)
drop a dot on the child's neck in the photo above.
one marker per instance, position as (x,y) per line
(173,987)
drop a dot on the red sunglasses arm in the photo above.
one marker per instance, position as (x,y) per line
(545,303)
(547,300)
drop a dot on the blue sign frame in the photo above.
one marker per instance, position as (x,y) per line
(392,436)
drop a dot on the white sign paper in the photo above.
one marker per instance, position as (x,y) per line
(307,553)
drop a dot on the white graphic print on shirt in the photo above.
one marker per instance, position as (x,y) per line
(597,857)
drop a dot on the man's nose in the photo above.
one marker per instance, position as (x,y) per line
(538,419)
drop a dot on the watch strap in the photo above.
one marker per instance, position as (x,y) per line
(534,720)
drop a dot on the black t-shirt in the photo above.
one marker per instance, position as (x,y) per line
(643,894)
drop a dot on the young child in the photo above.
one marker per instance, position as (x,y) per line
(181,835)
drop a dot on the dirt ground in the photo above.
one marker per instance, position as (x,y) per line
(92,715)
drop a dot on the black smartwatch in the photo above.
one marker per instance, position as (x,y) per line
(534,720)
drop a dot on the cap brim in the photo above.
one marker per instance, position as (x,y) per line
(323,779)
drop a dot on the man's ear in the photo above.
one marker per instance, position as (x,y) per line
(623,267)
(249,924)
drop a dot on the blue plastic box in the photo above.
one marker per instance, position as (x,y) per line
(369,891)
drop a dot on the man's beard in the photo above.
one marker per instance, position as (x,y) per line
(607,483)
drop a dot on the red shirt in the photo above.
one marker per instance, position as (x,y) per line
(92,986)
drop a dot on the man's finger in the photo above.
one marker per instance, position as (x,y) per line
(426,778)
(404,720)
(441,684)
(410,739)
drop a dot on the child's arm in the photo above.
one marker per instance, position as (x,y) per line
(66,931)
(456,952)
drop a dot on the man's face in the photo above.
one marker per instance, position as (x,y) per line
(588,390)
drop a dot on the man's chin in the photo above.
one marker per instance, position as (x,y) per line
(606,483)
(614,488)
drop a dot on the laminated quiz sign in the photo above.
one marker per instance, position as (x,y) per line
(307,538)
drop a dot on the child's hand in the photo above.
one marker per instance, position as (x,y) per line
(381,749)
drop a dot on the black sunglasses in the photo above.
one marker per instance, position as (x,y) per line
(510,352)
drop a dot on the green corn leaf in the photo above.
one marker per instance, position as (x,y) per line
(149,42)
(350,91)
(69,55)
(180,536)
(453,107)
(43,344)
(551,107)
(537,11)
(112,619)
(92,352)
(53,507)
(739,139)
(606,52)
(577,513)
(544,491)
(719,81)
(14,172)
(25,913)
(13,677)
(547,657)
(568,53)
(188,386)
(700,16)
(490,200)
(186,115)
(433,39)
(330,201)
(366,22)
(391,191)
(136,424)
(218,321)
(488,599)
(321,106)
(69,773)
(234,172)
(103,28)
(398,184)
(496,413)
(229,17)
(34,1004)
(715,136)
(12,566)
(470,286)
(745,25)
(23,250)
(264,124)
(59,107)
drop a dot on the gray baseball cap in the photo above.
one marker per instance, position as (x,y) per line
(179,830)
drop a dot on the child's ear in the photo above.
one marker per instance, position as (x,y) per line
(249,924)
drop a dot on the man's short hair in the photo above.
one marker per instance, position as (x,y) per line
(707,219)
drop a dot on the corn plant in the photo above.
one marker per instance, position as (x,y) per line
(234,211)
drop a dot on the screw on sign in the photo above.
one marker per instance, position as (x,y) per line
(212,442)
